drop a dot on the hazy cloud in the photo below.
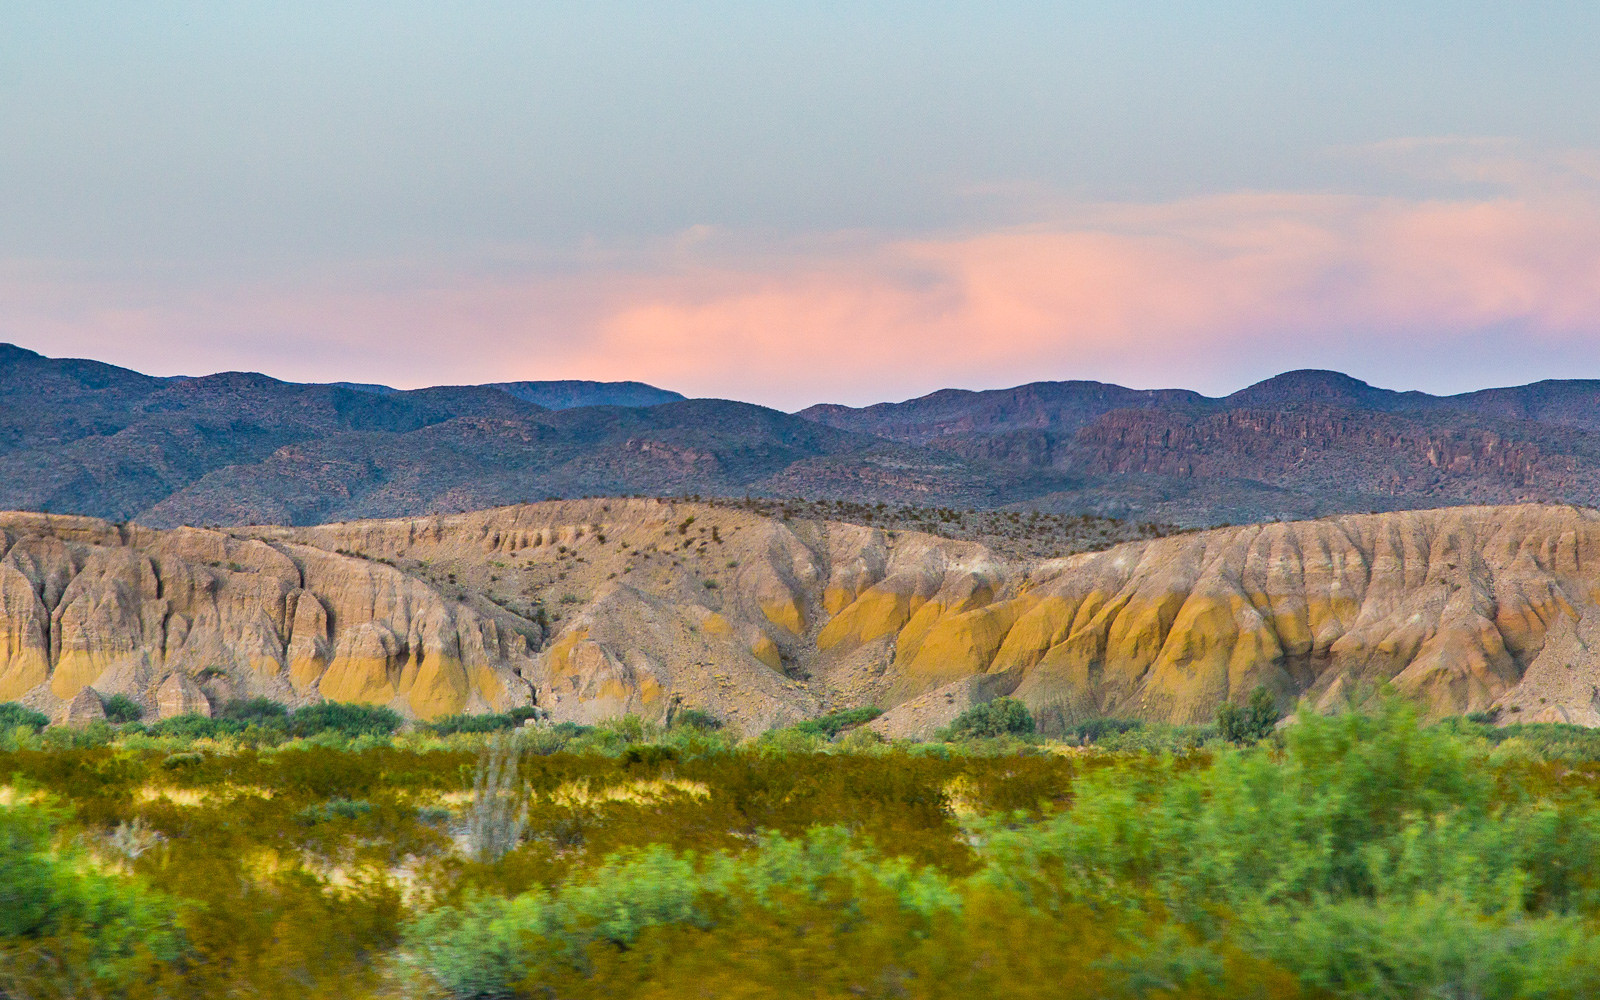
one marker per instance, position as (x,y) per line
(1203,292)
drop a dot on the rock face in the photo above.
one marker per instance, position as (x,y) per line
(84,708)
(181,619)
(762,620)
(591,609)
(1465,609)
(178,695)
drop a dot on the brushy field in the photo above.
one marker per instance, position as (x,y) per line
(1362,855)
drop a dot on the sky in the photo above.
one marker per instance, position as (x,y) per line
(792,203)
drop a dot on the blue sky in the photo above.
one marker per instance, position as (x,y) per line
(699,194)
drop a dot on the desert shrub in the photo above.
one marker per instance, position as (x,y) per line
(1159,738)
(648,755)
(791,741)
(97,733)
(119,708)
(193,726)
(694,718)
(607,739)
(333,809)
(1362,807)
(1000,717)
(1549,740)
(499,812)
(1094,730)
(860,740)
(1251,723)
(344,719)
(497,947)
(13,715)
(834,723)
(487,722)
(1363,856)
(84,929)
(691,742)
(545,740)
(263,712)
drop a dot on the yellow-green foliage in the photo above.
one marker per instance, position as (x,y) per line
(1363,856)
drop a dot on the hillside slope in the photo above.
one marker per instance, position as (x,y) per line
(595,608)
(80,437)
(1302,444)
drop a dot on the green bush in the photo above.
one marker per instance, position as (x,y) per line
(1253,722)
(1549,740)
(263,712)
(649,755)
(13,715)
(1095,730)
(495,947)
(1000,717)
(345,719)
(92,929)
(333,809)
(1158,738)
(487,722)
(694,718)
(1362,857)
(194,726)
(119,708)
(834,723)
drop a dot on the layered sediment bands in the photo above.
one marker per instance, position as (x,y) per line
(596,608)
(1465,609)
(183,620)
(1435,601)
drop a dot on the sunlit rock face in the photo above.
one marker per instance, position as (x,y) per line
(597,608)
(186,619)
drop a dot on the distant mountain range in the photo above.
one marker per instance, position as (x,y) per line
(563,394)
(84,437)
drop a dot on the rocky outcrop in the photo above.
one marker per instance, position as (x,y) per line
(178,695)
(1464,609)
(84,708)
(591,609)
(762,620)
(183,619)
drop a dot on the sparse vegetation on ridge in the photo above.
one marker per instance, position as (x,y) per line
(1016,534)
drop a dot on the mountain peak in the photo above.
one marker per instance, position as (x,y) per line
(1311,385)
(11,354)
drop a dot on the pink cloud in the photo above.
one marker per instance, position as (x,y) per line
(1147,294)
(1207,292)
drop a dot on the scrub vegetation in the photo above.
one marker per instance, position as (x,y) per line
(327,854)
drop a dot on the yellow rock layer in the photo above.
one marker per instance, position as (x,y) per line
(786,614)
(957,645)
(765,650)
(876,613)
(358,679)
(74,672)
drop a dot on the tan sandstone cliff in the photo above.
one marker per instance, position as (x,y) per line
(596,608)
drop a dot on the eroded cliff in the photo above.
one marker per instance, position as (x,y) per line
(596,608)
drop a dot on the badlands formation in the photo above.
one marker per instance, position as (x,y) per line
(595,608)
